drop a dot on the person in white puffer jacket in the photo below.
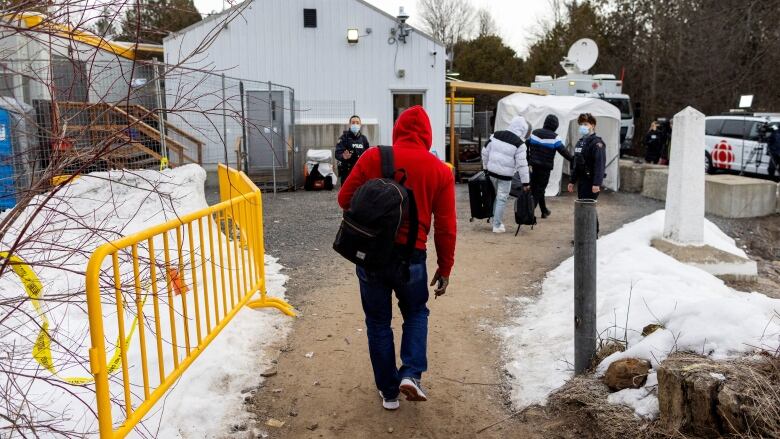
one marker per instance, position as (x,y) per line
(504,155)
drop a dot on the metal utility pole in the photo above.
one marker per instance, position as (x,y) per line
(584,284)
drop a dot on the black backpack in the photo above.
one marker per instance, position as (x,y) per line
(524,210)
(369,228)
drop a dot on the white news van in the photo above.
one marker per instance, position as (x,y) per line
(738,142)
(577,82)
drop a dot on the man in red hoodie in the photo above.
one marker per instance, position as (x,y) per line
(433,186)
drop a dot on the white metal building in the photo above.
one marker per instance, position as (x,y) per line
(303,44)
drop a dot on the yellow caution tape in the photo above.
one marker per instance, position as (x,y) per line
(42,348)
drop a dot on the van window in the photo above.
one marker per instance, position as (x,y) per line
(753,133)
(712,127)
(736,129)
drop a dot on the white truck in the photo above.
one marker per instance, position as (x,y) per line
(577,82)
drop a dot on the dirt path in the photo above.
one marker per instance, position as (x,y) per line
(332,394)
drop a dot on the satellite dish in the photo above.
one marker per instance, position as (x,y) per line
(582,56)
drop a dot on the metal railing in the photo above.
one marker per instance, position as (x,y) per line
(181,282)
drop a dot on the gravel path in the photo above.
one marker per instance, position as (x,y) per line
(323,385)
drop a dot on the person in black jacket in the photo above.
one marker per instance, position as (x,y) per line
(589,164)
(655,140)
(543,144)
(773,147)
(351,146)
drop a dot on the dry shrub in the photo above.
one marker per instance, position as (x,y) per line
(584,400)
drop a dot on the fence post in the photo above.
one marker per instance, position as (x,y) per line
(584,284)
(243,146)
(160,112)
(224,120)
(271,132)
(292,138)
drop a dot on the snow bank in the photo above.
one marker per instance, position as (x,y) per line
(698,311)
(57,243)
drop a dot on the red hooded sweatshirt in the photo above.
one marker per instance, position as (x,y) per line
(431,181)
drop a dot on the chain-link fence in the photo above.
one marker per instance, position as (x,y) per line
(71,116)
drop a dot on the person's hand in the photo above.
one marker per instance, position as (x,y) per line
(526,187)
(570,187)
(442,282)
(346,155)
(595,189)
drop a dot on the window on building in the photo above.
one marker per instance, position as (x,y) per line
(309,18)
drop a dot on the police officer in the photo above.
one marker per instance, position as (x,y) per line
(351,146)
(773,147)
(589,160)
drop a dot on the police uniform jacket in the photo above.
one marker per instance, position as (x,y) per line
(589,161)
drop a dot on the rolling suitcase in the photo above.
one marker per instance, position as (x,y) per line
(481,196)
(524,210)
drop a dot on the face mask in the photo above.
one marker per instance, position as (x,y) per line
(584,131)
(355,128)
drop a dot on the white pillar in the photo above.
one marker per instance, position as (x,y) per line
(684,221)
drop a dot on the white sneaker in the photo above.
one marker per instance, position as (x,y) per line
(389,404)
(499,229)
(412,389)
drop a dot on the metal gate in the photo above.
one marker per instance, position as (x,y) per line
(267,145)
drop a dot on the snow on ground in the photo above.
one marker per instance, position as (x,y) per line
(57,243)
(698,311)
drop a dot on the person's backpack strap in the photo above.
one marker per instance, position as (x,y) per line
(414,225)
(386,160)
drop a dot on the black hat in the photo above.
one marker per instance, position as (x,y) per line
(550,122)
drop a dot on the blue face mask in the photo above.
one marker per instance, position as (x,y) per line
(584,131)
(355,128)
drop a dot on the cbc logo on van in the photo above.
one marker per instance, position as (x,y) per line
(722,155)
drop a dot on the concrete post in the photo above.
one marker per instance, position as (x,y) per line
(684,222)
(585,331)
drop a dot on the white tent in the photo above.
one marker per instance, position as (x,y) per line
(567,108)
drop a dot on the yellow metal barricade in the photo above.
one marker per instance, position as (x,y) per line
(183,281)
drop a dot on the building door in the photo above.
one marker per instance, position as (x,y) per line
(267,145)
(402,101)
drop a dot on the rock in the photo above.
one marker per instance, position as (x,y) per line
(390,430)
(628,373)
(688,388)
(293,413)
(309,354)
(649,329)
(313,426)
(271,422)
(269,373)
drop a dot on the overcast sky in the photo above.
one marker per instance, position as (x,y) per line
(517,20)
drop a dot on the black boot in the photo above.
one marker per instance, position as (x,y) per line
(545,213)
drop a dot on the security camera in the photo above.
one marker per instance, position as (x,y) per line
(402,15)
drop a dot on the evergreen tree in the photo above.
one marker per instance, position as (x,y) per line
(150,21)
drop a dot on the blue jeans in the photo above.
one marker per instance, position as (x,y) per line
(376,294)
(502,188)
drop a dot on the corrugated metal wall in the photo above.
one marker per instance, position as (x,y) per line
(268,41)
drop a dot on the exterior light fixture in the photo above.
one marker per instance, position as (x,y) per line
(352,36)
(571,83)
